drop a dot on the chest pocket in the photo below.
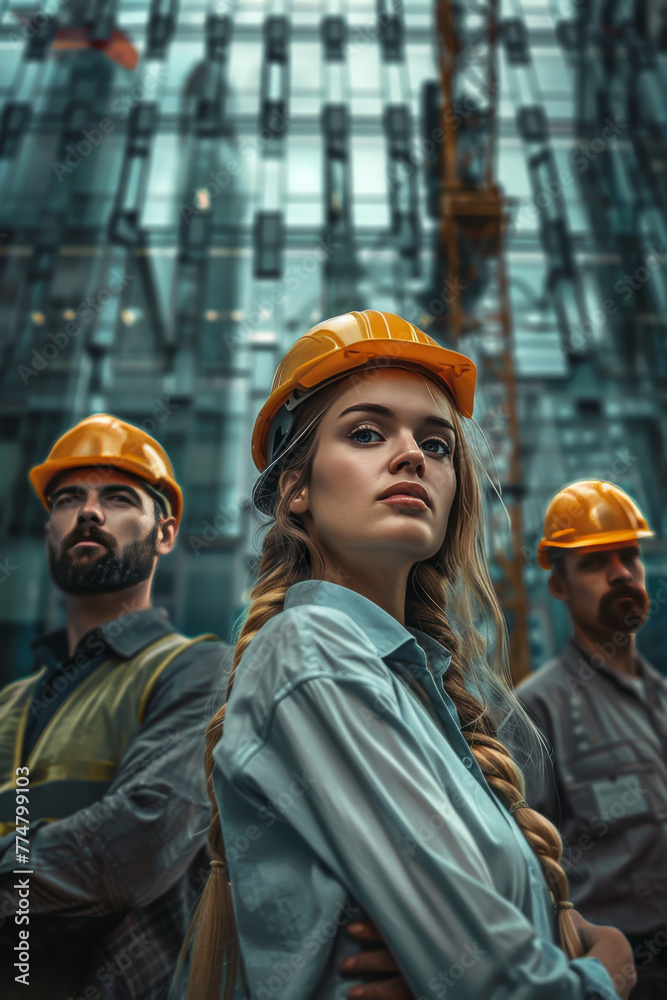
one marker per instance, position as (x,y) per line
(616,785)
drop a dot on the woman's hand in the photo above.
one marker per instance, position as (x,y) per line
(613,949)
(375,964)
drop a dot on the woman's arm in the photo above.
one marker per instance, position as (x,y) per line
(371,800)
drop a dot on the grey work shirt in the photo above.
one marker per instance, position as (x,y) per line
(607,791)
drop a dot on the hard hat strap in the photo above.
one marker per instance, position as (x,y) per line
(162,500)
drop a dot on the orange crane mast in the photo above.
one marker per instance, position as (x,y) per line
(473,221)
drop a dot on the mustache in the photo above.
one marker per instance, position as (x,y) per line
(639,596)
(89,533)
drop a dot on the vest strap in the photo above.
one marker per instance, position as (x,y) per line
(60,786)
(152,680)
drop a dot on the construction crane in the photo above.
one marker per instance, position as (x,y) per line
(473,221)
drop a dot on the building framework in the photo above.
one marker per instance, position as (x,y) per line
(178,209)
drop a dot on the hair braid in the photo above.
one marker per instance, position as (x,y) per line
(494,759)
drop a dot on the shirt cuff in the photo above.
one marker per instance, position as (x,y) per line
(599,984)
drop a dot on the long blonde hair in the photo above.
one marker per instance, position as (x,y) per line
(453,586)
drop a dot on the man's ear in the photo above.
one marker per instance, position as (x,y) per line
(558,587)
(166,535)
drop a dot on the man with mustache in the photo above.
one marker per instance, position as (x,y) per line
(603,709)
(102,798)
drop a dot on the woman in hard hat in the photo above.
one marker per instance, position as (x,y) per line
(360,771)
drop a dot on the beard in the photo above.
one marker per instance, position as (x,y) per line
(89,573)
(624,615)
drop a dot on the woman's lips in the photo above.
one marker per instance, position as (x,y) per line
(404,500)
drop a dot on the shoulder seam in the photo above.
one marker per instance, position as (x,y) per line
(300,682)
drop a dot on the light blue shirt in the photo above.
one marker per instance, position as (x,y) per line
(346,789)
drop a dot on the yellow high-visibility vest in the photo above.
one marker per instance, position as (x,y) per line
(77,754)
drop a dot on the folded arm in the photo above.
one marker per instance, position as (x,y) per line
(371,795)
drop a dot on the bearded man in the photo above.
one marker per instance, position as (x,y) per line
(603,709)
(103,809)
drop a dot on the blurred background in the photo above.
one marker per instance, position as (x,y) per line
(187,187)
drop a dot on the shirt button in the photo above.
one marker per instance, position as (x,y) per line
(467,762)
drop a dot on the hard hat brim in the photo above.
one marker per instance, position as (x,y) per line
(41,475)
(455,370)
(601,542)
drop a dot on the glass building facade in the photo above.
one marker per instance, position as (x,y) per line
(186,188)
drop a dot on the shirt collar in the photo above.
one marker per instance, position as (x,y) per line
(438,656)
(577,653)
(124,636)
(387,635)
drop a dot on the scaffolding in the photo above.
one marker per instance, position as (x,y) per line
(170,225)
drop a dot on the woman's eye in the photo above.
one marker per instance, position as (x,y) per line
(364,435)
(444,449)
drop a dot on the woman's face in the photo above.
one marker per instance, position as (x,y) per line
(383,478)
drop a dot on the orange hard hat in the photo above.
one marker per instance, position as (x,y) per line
(105,440)
(342,344)
(590,514)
